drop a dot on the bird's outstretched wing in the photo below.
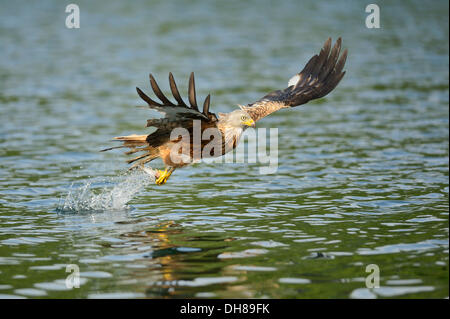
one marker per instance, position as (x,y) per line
(177,114)
(179,111)
(318,78)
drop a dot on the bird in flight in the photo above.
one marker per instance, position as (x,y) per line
(185,134)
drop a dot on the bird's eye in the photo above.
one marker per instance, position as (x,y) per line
(243,117)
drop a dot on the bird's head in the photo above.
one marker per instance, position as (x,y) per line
(238,119)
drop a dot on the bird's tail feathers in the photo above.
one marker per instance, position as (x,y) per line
(136,143)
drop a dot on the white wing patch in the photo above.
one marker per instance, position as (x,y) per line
(294,80)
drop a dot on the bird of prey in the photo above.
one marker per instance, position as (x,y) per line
(220,134)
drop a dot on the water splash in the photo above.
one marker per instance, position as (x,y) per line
(87,197)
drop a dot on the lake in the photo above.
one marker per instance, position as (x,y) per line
(362,176)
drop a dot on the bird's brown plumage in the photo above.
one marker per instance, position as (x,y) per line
(319,77)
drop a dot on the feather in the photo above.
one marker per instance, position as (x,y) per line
(192,98)
(319,77)
(137,158)
(149,101)
(331,60)
(158,92)
(206,105)
(175,92)
(111,148)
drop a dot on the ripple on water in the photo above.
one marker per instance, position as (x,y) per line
(268,244)
(57,285)
(388,292)
(198,282)
(7,296)
(95,274)
(242,254)
(31,292)
(294,281)
(390,249)
(254,268)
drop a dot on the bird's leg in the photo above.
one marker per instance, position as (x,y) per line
(151,172)
(164,176)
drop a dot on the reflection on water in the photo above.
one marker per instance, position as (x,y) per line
(362,176)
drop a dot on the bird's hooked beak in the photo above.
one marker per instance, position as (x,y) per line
(249,122)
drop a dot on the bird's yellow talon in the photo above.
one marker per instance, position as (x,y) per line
(163,176)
